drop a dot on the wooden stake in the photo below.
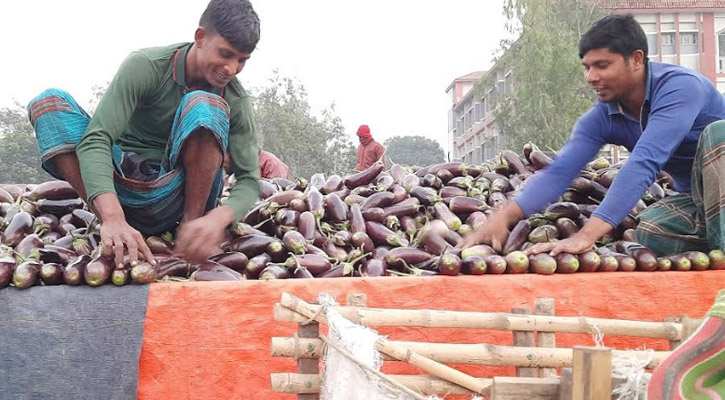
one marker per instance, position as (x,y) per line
(524,339)
(592,373)
(399,352)
(507,388)
(305,365)
(545,339)
(376,317)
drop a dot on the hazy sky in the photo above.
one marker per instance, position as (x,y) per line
(383,63)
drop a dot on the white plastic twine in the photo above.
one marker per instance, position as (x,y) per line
(629,368)
(352,363)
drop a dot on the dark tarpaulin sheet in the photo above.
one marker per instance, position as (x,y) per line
(64,342)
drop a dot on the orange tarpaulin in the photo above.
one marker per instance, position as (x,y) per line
(211,340)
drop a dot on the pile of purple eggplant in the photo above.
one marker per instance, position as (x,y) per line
(378,222)
(408,220)
(48,237)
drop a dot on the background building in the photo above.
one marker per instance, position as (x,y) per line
(690,33)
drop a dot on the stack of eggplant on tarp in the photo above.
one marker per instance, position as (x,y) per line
(378,222)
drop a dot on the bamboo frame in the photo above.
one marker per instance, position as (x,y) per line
(498,321)
(426,384)
(394,350)
(480,354)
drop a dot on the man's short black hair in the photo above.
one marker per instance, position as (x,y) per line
(620,33)
(235,21)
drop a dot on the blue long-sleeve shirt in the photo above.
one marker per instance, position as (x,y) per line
(679,104)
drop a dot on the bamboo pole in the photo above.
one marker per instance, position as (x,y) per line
(376,317)
(479,353)
(394,350)
(524,339)
(426,384)
(545,339)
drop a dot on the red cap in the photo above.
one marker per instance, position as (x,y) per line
(363,131)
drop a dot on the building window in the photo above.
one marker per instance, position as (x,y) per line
(669,47)
(721,51)
(688,43)
(650,29)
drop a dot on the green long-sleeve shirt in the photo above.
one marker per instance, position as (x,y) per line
(137,112)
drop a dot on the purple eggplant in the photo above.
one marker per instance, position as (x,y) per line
(121,277)
(53,190)
(256,265)
(157,245)
(364,177)
(251,245)
(180,268)
(382,235)
(59,207)
(20,225)
(335,209)
(373,267)
(315,264)
(26,274)
(374,214)
(519,234)
(566,263)
(544,234)
(98,271)
(306,225)
(295,242)
(589,261)
(400,256)
(75,270)
(473,265)
(426,195)
(542,263)
(410,181)
(449,264)
(211,271)
(274,272)
(7,268)
(362,241)
(333,184)
(28,247)
(698,260)
(562,209)
(567,227)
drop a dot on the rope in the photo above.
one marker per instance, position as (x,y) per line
(323,308)
(630,369)
(378,374)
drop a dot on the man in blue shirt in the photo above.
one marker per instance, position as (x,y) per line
(667,116)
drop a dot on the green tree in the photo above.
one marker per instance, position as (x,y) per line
(413,150)
(286,128)
(19,161)
(549,90)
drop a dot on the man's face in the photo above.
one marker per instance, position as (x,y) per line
(609,74)
(219,62)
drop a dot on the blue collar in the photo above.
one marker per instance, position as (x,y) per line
(615,108)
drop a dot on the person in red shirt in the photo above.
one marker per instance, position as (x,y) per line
(272,167)
(369,150)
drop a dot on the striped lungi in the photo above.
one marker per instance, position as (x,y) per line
(696,370)
(691,221)
(152,196)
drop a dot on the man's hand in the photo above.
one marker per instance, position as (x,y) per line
(576,244)
(493,232)
(199,239)
(117,234)
(496,228)
(579,243)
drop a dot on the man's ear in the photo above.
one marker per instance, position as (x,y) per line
(199,36)
(638,58)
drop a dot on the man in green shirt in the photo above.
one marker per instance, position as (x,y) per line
(151,156)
